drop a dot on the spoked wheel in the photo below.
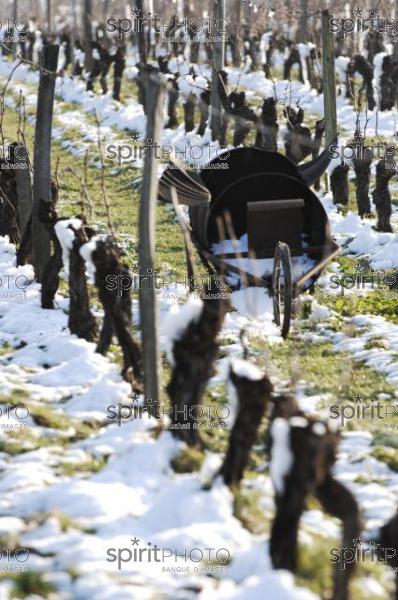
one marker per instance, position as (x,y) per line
(282,288)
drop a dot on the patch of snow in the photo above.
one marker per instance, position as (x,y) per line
(281,453)
(65,235)
(178,319)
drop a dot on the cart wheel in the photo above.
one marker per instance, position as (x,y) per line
(282,289)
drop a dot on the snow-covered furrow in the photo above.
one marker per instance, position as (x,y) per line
(146,500)
(131,117)
(55,369)
(112,116)
(358,238)
(371,328)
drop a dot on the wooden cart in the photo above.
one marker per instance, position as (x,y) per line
(266,196)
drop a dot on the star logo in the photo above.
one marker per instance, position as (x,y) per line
(135,11)
(135,137)
(358,541)
(357,398)
(135,541)
(361,267)
(358,138)
(358,12)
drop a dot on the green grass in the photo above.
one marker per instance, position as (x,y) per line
(248,511)
(322,370)
(385,439)
(188,460)
(326,371)
(45,416)
(376,302)
(388,456)
(5,349)
(13,398)
(31,583)
(123,201)
(315,570)
(18,444)
(87,467)
(19,441)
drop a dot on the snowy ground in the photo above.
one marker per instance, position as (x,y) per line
(80,493)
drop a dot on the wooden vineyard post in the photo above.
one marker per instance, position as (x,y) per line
(105,9)
(303,28)
(13,45)
(217,66)
(24,188)
(74,32)
(395,44)
(87,31)
(49,16)
(146,248)
(141,34)
(329,80)
(395,33)
(42,156)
